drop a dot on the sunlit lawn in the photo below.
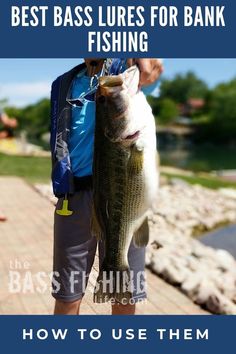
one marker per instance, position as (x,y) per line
(208,182)
(33,169)
(38,169)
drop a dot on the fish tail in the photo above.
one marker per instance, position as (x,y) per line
(113,285)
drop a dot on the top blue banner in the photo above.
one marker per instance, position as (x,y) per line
(111,28)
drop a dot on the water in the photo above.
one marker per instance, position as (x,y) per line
(205,158)
(224,238)
(182,153)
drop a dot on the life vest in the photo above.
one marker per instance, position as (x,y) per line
(62,175)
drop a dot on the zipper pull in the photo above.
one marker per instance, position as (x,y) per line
(64,211)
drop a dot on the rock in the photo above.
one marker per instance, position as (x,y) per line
(219,304)
(226,285)
(173,274)
(158,264)
(225,261)
(228,192)
(193,264)
(191,285)
(178,182)
(148,257)
(170,268)
(200,251)
(203,292)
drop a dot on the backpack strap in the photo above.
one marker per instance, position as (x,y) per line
(62,176)
(59,92)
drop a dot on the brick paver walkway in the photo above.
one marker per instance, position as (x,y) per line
(26,250)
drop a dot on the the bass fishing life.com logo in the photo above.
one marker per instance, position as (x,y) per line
(23,280)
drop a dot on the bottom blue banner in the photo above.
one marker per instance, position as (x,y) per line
(107,334)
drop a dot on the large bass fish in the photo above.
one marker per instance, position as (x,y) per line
(125,177)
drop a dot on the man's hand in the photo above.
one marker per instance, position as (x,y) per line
(150,70)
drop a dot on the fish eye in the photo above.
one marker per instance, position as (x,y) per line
(101,99)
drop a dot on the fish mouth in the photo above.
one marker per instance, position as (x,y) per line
(127,138)
(132,137)
(110,81)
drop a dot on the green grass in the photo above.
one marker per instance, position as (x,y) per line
(38,169)
(208,182)
(33,169)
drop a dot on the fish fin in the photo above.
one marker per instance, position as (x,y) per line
(113,285)
(141,236)
(135,164)
(96,229)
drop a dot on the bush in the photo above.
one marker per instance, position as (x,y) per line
(222,107)
(34,119)
(168,111)
(183,87)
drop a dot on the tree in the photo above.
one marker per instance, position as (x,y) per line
(3,103)
(183,87)
(168,111)
(223,110)
(34,119)
(155,104)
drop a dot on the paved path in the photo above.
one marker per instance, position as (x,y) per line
(26,249)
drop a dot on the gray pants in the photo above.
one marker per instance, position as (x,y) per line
(75,249)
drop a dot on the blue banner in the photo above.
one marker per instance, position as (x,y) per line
(105,334)
(111,28)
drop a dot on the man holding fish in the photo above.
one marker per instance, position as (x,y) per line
(105,175)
